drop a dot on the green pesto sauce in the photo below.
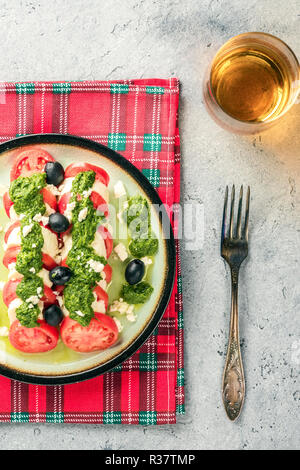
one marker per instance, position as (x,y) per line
(138,218)
(140,247)
(78,292)
(136,294)
(78,297)
(83,182)
(83,233)
(25,192)
(27,314)
(29,286)
(77,260)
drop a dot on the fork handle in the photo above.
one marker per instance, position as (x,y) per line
(233,389)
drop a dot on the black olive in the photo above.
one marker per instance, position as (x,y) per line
(135,271)
(53,315)
(60,275)
(58,222)
(54,173)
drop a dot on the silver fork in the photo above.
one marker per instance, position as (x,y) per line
(234,249)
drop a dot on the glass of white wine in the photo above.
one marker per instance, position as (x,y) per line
(251,83)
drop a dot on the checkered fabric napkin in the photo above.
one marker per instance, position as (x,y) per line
(137,118)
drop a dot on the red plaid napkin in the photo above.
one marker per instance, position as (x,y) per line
(137,118)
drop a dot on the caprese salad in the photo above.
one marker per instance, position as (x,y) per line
(58,248)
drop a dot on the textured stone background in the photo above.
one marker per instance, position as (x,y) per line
(110,39)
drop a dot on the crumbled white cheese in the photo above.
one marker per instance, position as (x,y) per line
(39,292)
(34,245)
(87,193)
(118,323)
(82,214)
(21,216)
(2,284)
(69,209)
(130,309)
(131,317)
(121,307)
(3,331)
(34,299)
(79,313)
(119,189)
(121,251)
(32,270)
(41,218)
(146,260)
(27,229)
(95,265)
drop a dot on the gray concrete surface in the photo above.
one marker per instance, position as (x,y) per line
(76,39)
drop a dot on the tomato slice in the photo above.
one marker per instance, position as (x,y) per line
(9,293)
(41,338)
(101,333)
(58,289)
(11,253)
(49,198)
(29,161)
(75,168)
(7,203)
(108,240)
(101,295)
(108,273)
(48,262)
(49,297)
(99,203)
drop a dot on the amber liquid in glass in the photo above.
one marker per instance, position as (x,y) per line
(251,85)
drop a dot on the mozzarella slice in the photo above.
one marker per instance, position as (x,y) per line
(11,311)
(50,246)
(44,275)
(99,245)
(14,237)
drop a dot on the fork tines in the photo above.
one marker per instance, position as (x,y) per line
(239,233)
